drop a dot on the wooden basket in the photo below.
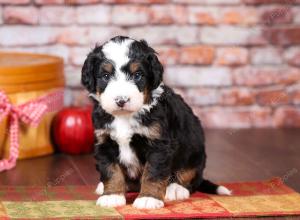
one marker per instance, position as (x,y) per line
(25,77)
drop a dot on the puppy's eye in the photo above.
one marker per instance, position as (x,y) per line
(105,77)
(137,76)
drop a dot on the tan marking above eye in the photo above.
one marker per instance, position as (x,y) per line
(134,67)
(108,67)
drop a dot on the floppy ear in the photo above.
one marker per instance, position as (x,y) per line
(88,72)
(157,70)
(155,66)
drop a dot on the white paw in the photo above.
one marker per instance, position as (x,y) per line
(176,192)
(100,189)
(113,200)
(147,203)
(222,190)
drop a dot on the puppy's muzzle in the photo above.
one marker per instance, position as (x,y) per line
(121,101)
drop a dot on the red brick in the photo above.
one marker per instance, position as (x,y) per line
(57,15)
(292,56)
(15,2)
(83,2)
(20,15)
(289,76)
(209,2)
(262,117)
(294,92)
(272,97)
(276,15)
(237,96)
(168,14)
(259,2)
(296,97)
(232,56)
(87,35)
(135,1)
(283,35)
(287,117)
(203,15)
(49,2)
(94,14)
(136,15)
(73,36)
(239,15)
(260,76)
(66,2)
(168,55)
(210,96)
(196,55)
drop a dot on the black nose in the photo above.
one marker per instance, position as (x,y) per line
(121,101)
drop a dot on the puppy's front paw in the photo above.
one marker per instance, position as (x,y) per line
(147,203)
(112,200)
(100,189)
(176,192)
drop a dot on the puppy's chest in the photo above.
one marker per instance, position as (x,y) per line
(121,130)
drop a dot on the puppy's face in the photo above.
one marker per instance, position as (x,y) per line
(121,75)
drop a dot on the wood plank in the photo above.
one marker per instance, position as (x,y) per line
(85,166)
(43,171)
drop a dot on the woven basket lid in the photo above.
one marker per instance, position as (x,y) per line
(28,72)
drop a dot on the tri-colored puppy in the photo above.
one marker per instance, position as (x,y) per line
(147,137)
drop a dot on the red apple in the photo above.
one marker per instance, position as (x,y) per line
(73,131)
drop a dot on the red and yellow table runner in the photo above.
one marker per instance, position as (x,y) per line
(268,198)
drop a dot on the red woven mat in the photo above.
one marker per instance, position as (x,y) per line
(268,198)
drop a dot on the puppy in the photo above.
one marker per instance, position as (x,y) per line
(147,137)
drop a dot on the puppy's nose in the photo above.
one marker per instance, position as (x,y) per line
(121,101)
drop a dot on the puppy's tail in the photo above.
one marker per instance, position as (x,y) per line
(209,187)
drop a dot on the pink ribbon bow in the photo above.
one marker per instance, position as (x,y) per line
(29,113)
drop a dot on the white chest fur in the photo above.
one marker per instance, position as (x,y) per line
(121,131)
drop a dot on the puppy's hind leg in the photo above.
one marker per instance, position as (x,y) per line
(178,189)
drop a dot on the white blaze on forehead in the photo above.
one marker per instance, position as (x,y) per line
(117,52)
(120,84)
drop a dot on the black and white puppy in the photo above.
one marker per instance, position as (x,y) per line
(147,137)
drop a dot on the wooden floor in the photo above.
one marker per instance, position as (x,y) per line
(233,155)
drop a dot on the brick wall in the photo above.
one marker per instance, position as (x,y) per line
(235,61)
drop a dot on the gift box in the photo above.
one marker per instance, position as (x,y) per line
(31,92)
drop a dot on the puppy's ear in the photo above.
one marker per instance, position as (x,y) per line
(90,66)
(155,66)
(157,70)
